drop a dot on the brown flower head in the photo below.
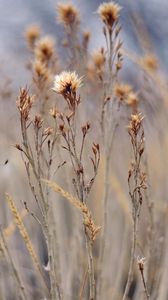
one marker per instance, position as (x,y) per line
(24,103)
(32,34)
(122,91)
(44,49)
(135,123)
(68,14)
(66,83)
(109,13)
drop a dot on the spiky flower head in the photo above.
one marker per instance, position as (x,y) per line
(135,123)
(122,90)
(68,14)
(66,83)
(44,48)
(109,13)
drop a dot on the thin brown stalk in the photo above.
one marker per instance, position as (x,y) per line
(25,235)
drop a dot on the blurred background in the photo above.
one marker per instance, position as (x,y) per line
(15,17)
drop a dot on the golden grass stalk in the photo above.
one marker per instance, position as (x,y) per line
(24,233)
(9,230)
(92,229)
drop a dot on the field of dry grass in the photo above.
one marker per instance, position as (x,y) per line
(83,149)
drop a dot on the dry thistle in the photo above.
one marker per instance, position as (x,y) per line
(109,13)
(32,34)
(67,84)
(44,49)
(68,14)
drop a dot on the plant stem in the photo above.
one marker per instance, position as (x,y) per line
(131,266)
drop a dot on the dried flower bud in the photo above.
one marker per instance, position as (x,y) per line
(68,14)
(141,262)
(18,147)
(38,121)
(32,34)
(66,83)
(63,130)
(135,123)
(85,128)
(109,13)
(44,49)
(41,72)
(24,103)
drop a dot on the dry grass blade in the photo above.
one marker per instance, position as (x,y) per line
(24,234)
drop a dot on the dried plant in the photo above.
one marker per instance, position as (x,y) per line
(69,166)
(136,183)
(67,84)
